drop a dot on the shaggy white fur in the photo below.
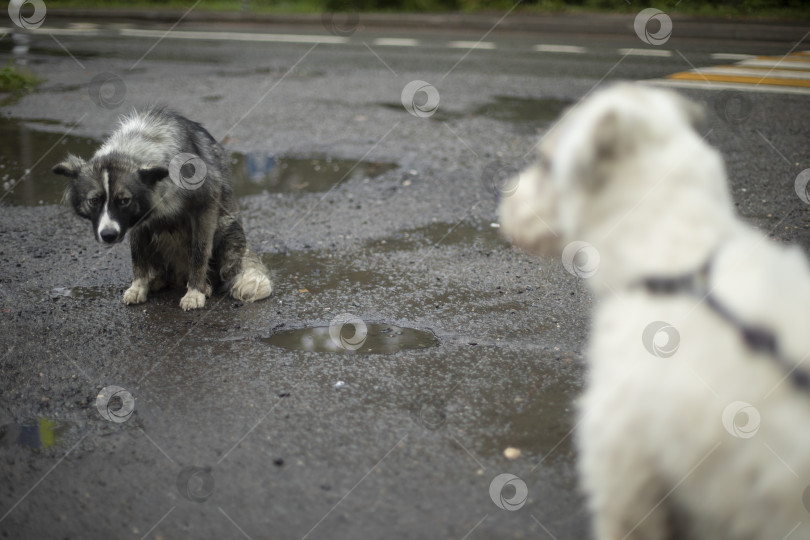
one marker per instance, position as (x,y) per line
(138,292)
(193,299)
(251,285)
(687,430)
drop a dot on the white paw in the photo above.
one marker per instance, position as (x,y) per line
(193,299)
(251,285)
(137,293)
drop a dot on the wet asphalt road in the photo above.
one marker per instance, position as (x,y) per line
(232,436)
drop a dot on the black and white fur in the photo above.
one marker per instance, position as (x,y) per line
(180,234)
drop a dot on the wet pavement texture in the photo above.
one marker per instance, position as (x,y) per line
(352,335)
(257,420)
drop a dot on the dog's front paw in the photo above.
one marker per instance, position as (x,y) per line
(137,293)
(193,299)
(251,285)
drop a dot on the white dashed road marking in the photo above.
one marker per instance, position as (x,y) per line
(570,49)
(85,30)
(789,74)
(645,52)
(471,45)
(731,56)
(396,42)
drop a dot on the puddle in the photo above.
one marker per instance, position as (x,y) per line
(26,178)
(61,53)
(21,154)
(525,113)
(23,48)
(54,88)
(523,110)
(353,338)
(257,172)
(441,234)
(83,293)
(39,433)
(314,272)
(232,73)
(320,271)
(268,70)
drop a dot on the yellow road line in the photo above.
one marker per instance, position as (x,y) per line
(762,88)
(747,72)
(765,67)
(692,76)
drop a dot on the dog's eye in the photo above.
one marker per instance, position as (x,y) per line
(123,201)
(93,201)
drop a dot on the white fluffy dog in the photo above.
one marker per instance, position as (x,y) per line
(696,418)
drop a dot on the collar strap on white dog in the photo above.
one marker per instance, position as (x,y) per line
(757,338)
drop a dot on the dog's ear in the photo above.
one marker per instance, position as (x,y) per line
(70,167)
(614,135)
(152,175)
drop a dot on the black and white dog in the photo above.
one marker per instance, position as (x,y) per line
(166,180)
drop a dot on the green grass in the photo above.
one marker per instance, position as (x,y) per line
(15,80)
(262,6)
(794,9)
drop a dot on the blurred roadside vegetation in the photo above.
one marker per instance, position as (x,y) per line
(713,8)
(14,79)
(14,83)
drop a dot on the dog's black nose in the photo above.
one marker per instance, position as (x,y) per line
(108,235)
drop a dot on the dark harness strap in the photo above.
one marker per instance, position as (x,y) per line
(756,338)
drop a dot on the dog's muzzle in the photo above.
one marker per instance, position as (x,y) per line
(110,236)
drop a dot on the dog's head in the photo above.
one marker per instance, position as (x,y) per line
(611,160)
(111,191)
